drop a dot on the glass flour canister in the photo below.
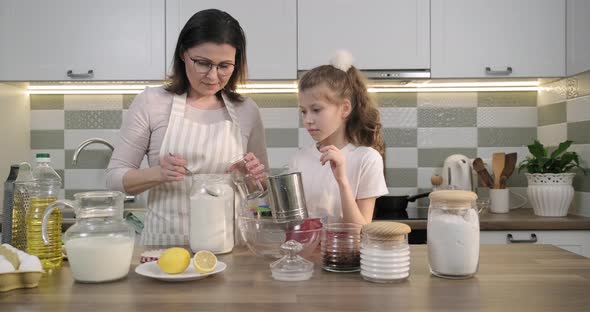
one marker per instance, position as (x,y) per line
(385,253)
(453,234)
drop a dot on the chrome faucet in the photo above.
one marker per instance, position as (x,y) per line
(88,142)
(128,198)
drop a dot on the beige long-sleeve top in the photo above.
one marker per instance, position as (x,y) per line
(145,124)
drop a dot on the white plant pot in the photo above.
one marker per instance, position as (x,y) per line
(550,194)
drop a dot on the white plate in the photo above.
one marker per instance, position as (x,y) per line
(151,269)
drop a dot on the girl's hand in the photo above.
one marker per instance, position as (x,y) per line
(254,167)
(337,161)
(172,168)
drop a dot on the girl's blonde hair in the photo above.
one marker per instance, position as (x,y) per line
(363,125)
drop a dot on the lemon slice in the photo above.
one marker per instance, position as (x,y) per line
(204,261)
(174,260)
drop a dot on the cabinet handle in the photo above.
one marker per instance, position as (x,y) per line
(506,72)
(532,240)
(71,74)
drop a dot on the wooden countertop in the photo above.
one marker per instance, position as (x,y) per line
(510,278)
(519,219)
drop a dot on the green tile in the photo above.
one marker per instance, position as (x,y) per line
(127,100)
(396,99)
(582,182)
(279,137)
(401,177)
(275,100)
(517,180)
(578,85)
(47,139)
(47,101)
(579,132)
(506,99)
(93,119)
(447,117)
(552,114)
(89,159)
(434,157)
(400,137)
(506,137)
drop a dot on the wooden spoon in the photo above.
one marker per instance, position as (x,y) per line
(483,174)
(498,161)
(509,166)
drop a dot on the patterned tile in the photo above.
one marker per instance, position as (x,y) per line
(424,175)
(99,102)
(572,87)
(517,180)
(583,151)
(47,139)
(282,137)
(88,159)
(583,84)
(275,100)
(486,152)
(93,119)
(489,137)
(507,99)
(47,119)
(400,137)
(85,179)
(552,114)
(435,157)
(401,157)
(401,177)
(447,137)
(447,117)
(579,132)
(578,109)
(396,99)
(47,101)
(280,117)
(127,100)
(552,135)
(398,117)
(447,99)
(499,117)
(551,93)
(73,138)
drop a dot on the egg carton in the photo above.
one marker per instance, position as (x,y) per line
(19,279)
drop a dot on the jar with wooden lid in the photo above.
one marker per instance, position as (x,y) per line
(453,234)
(385,253)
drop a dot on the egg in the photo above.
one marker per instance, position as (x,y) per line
(30,263)
(5,266)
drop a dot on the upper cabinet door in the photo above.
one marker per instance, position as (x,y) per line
(380,34)
(578,36)
(270,28)
(498,38)
(82,39)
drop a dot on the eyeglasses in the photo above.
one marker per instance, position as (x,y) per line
(204,66)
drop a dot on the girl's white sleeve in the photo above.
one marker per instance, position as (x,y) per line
(372,178)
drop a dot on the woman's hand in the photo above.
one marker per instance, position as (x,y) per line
(172,168)
(337,162)
(254,167)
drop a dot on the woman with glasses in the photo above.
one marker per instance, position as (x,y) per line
(197,121)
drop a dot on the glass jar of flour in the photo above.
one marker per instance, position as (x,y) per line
(453,234)
(211,225)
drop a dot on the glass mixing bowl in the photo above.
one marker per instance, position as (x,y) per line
(264,237)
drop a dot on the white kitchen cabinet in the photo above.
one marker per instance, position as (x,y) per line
(498,38)
(90,40)
(270,27)
(575,241)
(578,36)
(380,34)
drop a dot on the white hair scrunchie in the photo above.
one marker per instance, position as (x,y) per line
(342,60)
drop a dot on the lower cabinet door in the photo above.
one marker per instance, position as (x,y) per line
(575,241)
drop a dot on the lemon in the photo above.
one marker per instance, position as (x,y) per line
(174,260)
(204,261)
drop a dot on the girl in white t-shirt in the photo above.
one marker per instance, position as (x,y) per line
(343,171)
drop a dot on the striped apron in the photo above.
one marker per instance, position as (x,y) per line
(207,148)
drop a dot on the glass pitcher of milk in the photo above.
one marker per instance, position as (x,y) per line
(99,245)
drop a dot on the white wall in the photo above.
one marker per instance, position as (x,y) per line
(14,128)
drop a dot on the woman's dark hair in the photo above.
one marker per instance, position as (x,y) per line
(209,26)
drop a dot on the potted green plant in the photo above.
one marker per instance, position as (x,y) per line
(550,178)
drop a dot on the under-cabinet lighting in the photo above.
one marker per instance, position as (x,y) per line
(374,87)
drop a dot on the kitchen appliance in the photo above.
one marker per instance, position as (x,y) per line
(394,207)
(100,244)
(457,172)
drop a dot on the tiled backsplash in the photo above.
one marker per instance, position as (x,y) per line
(564,113)
(421,130)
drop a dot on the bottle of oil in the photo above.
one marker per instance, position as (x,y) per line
(43,190)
